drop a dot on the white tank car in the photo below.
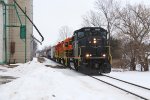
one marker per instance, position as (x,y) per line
(53,52)
(48,53)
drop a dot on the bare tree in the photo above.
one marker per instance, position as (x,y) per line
(133,23)
(64,33)
(92,19)
(107,9)
(105,16)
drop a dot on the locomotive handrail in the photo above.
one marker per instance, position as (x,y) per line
(109,54)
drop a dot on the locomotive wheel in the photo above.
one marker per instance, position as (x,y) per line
(59,60)
(63,61)
(76,65)
(56,59)
(67,62)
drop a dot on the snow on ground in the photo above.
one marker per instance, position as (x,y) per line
(38,82)
(50,62)
(140,78)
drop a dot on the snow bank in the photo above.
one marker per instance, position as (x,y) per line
(38,82)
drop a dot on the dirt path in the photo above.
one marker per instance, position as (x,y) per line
(6,79)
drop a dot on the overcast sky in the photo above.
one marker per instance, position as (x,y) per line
(51,15)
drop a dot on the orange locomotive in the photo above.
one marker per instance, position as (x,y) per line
(63,51)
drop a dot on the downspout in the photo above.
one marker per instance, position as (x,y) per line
(2,2)
(18,14)
(25,40)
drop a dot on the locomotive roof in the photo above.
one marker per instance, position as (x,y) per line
(91,28)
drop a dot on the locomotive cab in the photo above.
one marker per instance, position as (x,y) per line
(91,51)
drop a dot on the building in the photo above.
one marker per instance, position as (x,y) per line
(149,60)
(1,35)
(16,31)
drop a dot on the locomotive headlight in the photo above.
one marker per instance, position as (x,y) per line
(94,41)
(87,55)
(104,55)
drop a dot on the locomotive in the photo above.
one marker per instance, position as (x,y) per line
(87,49)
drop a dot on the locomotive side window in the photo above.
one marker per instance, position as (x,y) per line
(80,35)
(104,34)
(75,37)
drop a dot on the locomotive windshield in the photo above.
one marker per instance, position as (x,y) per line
(96,33)
(81,34)
(90,32)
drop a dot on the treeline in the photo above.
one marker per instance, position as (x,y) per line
(129,28)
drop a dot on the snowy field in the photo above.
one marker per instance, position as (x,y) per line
(35,81)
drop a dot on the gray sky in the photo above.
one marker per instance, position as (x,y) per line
(50,15)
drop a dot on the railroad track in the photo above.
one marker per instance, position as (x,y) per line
(134,88)
(138,88)
(136,91)
(128,82)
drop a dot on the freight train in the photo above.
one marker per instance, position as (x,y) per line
(87,50)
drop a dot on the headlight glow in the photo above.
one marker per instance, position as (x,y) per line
(104,55)
(95,42)
(87,55)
